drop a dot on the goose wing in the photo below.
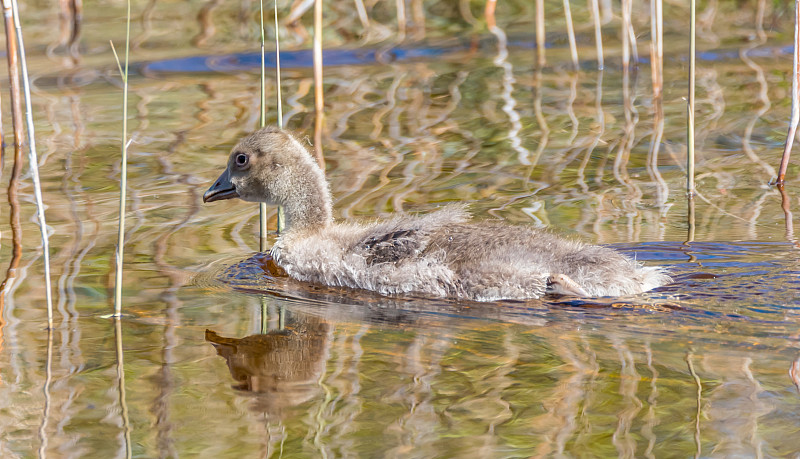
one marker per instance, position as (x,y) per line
(393,246)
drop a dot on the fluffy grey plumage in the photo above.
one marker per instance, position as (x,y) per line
(441,254)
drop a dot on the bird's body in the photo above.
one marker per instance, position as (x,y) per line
(442,254)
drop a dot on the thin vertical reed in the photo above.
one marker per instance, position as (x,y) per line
(281,217)
(14,82)
(598,33)
(540,38)
(33,159)
(262,207)
(573,48)
(787,149)
(656,49)
(123,169)
(690,106)
(626,36)
(121,238)
(319,100)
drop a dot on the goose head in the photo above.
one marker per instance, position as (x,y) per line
(273,167)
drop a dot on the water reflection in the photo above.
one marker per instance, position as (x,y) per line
(282,367)
(707,366)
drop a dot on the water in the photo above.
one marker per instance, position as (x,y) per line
(224,358)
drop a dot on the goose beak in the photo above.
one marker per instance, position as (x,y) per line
(221,189)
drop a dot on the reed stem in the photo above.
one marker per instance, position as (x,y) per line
(656,49)
(281,217)
(540,37)
(262,207)
(34,162)
(690,107)
(573,48)
(598,34)
(319,97)
(787,149)
(123,186)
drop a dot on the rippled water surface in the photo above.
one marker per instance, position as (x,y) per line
(223,357)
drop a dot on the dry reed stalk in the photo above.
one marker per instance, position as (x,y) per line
(626,36)
(262,207)
(14,82)
(690,105)
(656,49)
(319,100)
(787,149)
(281,217)
(598,33)
(573,48)
(540,38)
(33,160)
(123,191)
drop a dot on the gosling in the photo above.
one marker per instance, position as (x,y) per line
(441,254)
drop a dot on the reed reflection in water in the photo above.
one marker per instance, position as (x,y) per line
(708,366)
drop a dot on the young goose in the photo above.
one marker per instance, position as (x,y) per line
(441,254)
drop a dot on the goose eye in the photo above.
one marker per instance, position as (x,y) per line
(241,160)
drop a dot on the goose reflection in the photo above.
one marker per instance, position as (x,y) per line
(282,367)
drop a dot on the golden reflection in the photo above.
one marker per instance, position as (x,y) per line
(786,205)
(600,122)
(282,367)
(553,378)
(794,373)
(509,106)
(70,22)
(650,419)
(634,193)
(538,91)
(699,399)
(205,19)
(122,398)
(763,98)
(48,379)
(16,239)
(662,188)
(628,387)
(147,24)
